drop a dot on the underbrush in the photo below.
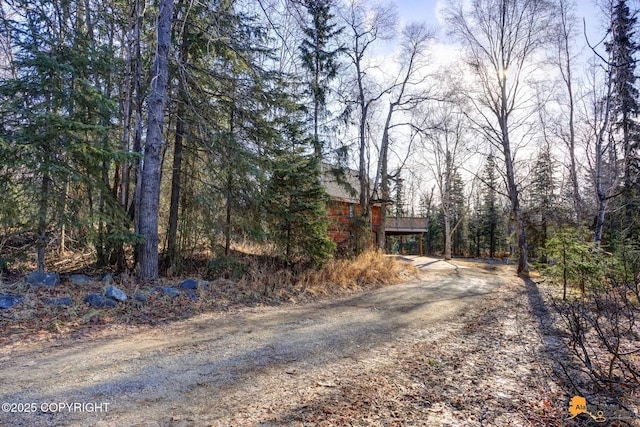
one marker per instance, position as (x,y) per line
(241,281)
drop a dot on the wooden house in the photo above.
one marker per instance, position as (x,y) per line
(343,189)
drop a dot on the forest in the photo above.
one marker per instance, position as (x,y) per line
(142,134)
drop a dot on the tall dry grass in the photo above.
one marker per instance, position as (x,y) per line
(371,269)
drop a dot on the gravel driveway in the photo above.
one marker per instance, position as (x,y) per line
(312,364)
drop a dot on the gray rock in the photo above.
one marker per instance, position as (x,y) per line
(171,292)
(98,301)
(79,279)
(140,297)
(115,293)
(107,278)
(9,300)
(189,284)
(43,279)
(59,302)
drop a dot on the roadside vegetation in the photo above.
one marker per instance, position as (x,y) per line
(225,283)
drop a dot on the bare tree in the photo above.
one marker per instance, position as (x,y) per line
(406,92)
(150,188)
(364,27)
(500,38)
(566,30)
(445,151)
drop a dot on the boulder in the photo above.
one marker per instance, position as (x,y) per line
(98,301)
(42,279)
(189,284)
(9,300)
(60,302)
(79,279)
(115,293)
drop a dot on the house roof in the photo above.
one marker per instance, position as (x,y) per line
(341,184)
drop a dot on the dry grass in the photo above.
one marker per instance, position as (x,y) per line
(370,269)
(262,281)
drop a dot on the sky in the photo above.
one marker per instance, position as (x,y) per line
(428,11)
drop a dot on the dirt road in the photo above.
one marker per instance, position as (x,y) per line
(438,350)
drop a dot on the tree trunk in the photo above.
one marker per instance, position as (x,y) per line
(150,186)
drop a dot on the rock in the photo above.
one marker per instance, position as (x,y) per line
(115,293)
(189,284)
(98,301)
(43,279)
(171,292)
(9,300)
(79,279)
(107,278)
(60,302)
(140,297)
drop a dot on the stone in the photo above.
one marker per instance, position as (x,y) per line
(79,279)
(115,293)
(98,301)
(171,292)
(43,279)
(60,302)
(9,300)
(189,284)
(107,278)
(140,297)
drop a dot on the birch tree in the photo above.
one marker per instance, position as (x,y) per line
(500,38)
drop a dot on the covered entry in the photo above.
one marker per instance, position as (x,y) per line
(406,226)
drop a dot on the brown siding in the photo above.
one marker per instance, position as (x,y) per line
(340,219)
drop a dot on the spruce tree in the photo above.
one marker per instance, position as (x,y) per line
(320,60)
(296,201)
(55,118)
(491,213)
(622,49)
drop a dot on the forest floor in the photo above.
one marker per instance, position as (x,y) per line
(462,344)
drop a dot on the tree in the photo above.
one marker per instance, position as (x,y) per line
(490,205)
(319,59)
(54,119)
(566,28)
(150,185)
(296,200)
(365,27)
(542,196)
(624,104)
(404,96)
(500,38)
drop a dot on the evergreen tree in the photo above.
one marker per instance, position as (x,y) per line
(319,60)
(297,212)
(54,118)
(542,199)
(622,49)
(491,208)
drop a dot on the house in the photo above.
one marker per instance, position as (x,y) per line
(343,188)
